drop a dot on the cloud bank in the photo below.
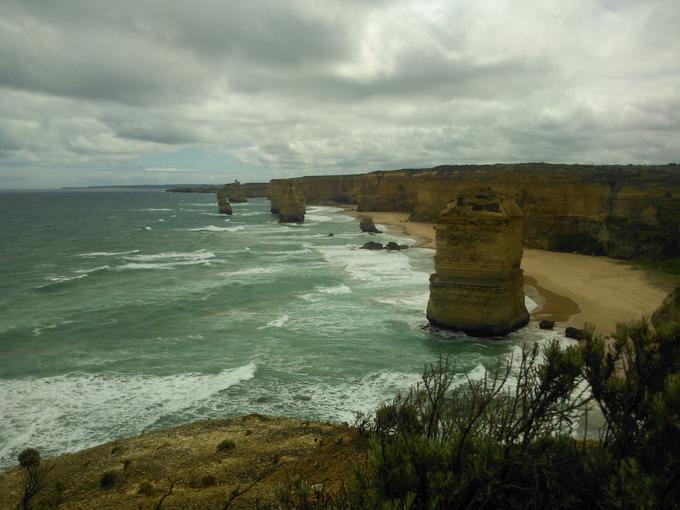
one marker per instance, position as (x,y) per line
(115,92)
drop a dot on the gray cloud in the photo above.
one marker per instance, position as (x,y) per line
(317,86)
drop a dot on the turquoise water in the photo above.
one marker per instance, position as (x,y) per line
(127,311)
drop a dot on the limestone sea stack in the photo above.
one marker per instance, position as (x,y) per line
(291,204)
(236,192)
(223,202)
(478,284)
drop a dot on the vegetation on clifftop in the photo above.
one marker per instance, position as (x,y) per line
(510,440)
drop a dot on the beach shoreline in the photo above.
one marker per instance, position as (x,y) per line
(570,289)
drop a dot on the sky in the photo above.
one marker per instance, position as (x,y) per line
(208,91)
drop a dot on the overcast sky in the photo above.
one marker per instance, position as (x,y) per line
(157,91)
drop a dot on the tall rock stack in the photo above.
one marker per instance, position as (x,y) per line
(223,202)
(478,284)
(236,192)
(291,204)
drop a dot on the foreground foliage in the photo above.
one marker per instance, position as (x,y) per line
(509,441)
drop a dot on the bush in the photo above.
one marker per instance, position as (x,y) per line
(512,441)
(226,445)
(108,480)
(34,475)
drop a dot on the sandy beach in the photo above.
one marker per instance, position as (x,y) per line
(570,289)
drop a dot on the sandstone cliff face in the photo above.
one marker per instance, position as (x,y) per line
(319,190)
(388,191)
(223,202)
(291,207)
(620,211)
(236,192)
(478,284)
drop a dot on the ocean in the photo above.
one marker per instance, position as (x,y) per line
(122,312)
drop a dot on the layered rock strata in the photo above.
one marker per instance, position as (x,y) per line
(223,202)
(478,284)
(291,207)
(623,211)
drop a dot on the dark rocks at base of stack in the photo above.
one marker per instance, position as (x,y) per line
(574,333)
(478,284)
(366,225)
(291,205)
(223,202)
(391,246)
(545,324)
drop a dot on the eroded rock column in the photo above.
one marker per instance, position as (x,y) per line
(223,202)
(291,204)
(478,284)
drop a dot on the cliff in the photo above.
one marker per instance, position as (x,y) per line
(204,462)
(625,212)
(478,285)
(249,189)
(236,192)
(291,206)
(318,190)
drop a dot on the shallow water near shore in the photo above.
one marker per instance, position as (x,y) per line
(122,312)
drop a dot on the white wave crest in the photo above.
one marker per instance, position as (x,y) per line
(277,323)
(107,253)
(211,228)
(64,413)
(173,255)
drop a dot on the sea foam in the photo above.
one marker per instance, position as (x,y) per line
(64,413)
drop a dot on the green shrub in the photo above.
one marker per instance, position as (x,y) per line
(108,479)
(34,475)
(512,439)
(226,445)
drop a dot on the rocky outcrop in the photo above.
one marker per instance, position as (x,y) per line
(236,192)
(372,245)
(478,284)
(669,311)
(574,333)
(291,207)
(223,202)
(366,225)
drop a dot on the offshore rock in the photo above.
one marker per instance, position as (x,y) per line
(546,324)
(669,311)
(394,246)
(372,245)
(574,333)
(236,192)
(478,284)
(367,225)
(291,205)
(223,202)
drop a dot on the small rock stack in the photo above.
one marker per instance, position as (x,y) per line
(223,202)
(291,204)
(478,284)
